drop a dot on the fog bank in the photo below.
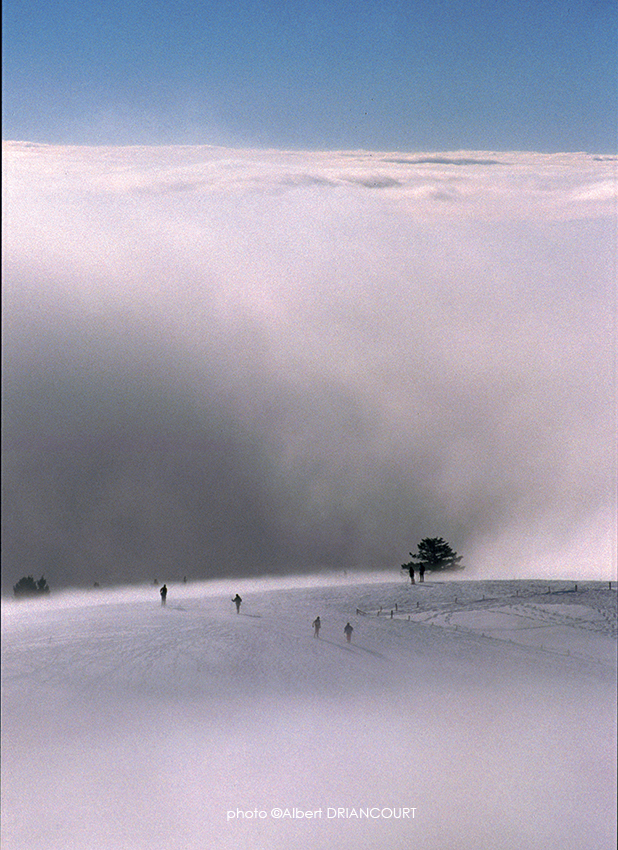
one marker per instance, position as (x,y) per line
(224,362)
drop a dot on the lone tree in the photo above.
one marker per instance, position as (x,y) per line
(433,554)
(27,586)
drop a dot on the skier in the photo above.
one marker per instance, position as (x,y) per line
(348,632)
(237,600)
(163,593)
(421,570)
(316,627)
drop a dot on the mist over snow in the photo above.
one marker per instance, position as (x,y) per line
(488,707)
(236,362)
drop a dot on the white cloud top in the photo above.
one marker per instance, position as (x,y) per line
(253,360)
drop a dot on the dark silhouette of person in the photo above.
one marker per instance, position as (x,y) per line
(421,570)
(163,593)
(316,627)
(237,600)
(348,632)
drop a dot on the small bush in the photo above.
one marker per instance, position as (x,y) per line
(27,586)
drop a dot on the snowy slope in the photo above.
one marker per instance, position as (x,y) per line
(485,707)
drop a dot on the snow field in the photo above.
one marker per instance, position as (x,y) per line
(127,725)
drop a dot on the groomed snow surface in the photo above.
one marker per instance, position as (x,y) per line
(486,709)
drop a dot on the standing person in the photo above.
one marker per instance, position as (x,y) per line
(421,570)
(163,593)
(237,600)
(348,632)
(316,627)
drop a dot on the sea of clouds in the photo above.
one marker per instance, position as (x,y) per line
(223,361)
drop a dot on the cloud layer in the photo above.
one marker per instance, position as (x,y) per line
(228,361)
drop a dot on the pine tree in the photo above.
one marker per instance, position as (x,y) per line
(434,554)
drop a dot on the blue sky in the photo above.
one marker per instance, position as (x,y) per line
(431,75)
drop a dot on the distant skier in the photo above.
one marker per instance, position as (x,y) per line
(163,593)
(348,632)
(316,627)
(237,600)
(421,571)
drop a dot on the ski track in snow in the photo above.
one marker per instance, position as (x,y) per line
(487,705)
